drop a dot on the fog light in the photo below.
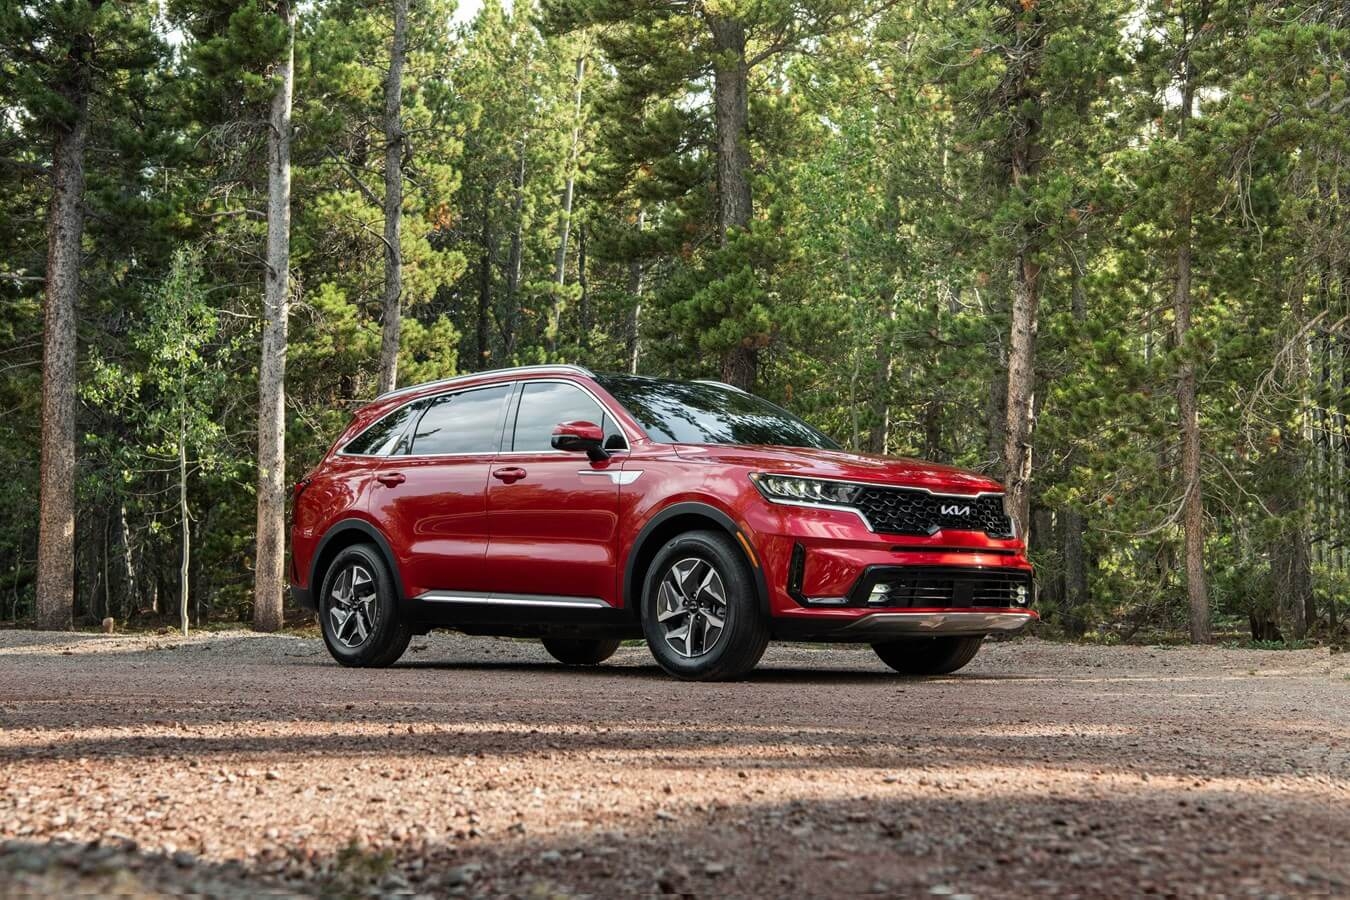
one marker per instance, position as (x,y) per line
(1021,595)
(881,593)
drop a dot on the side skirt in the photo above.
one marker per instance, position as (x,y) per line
(521,615)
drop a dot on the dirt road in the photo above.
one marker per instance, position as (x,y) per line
(236,764)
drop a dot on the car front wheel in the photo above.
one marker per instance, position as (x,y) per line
(928,656)
(358,610)
(699,611)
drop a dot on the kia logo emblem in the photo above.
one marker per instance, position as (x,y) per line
(953,510)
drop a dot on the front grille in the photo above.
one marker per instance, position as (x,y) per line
(893,510)
(917,587)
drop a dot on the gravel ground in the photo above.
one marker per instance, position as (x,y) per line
(235,764)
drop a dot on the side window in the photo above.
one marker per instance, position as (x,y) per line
(462,423)
(376,439)
(543,404)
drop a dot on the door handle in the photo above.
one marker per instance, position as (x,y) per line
(509,474)
(389,479)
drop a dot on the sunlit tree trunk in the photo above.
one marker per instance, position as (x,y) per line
(65,231)
(731,111)
(635,312)
(269,575)
(1024,105)
(515,259)
(565,220)
(185,528)
(393,200)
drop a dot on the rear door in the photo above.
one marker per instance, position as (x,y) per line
(553,515)
(429,495)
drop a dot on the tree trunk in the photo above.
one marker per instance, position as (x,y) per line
(584,283)
(393,201)
(731,76)
(1020,409)
(484,284)
(565,221)
(131,601)
(269,576)
(1021,406)
(1074,524)
(65,230)
(515,260)
(1188,407)
(881,397)
(184,529)
(635,312)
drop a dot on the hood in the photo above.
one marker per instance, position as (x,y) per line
(864,467)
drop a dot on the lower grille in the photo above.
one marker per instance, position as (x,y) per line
(916,587)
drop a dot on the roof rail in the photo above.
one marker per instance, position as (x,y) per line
(730,387)
(556,368)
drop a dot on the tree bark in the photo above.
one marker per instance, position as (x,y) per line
(269,575)
(1188,407)
(393,200)
(881,401)
(731,76)
(1073,522)
(584,283)
(65,231)
(131,601)
(515,259)
(185,529)
(635,312)
(484,283)
(1020,410)
(565,221)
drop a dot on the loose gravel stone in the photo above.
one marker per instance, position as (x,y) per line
(239,765)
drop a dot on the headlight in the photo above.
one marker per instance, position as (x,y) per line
(787,488)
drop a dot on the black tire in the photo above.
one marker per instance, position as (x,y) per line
(388,635)
(580,651)
(929,656)
(739,644)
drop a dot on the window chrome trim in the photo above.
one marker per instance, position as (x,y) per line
(514,387)
(454,379)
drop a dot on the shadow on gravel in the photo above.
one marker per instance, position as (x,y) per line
(955,750)
(1149,841)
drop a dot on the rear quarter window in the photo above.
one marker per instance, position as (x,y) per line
(378,439)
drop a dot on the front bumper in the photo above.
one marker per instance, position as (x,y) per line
(929,623)
(866,626)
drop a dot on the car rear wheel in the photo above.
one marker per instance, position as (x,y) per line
(580,651)
(699,611)
(358,610)
(928,656)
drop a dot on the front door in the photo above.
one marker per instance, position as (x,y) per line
(553,515)
(430,493)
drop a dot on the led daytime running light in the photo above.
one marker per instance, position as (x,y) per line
(806,490)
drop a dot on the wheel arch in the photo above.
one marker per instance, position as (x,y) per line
(679,518)
(342,535)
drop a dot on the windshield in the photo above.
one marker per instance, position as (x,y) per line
(682,412)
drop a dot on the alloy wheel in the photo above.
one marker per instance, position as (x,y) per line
(355,608)
(691,606)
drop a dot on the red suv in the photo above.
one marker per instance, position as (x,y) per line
(583,509)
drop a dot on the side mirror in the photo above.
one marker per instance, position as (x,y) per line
(581,437)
